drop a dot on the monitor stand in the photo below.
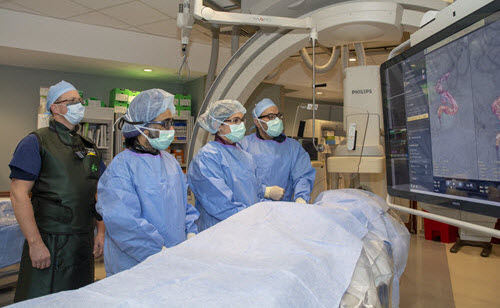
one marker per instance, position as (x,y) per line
(485,245)
(467,237)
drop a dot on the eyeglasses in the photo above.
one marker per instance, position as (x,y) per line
(72,101)
(272,116)
(234,121)
(167,123)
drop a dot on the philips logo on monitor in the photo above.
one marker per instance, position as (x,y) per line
(362,91)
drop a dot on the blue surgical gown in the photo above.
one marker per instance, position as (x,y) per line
(284,164)
(143,201)
(222,178)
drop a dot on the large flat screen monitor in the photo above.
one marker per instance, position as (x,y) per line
(442,116)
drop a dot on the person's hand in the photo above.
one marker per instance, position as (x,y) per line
(163,248)
(40,255)
(98,244)
(300,200)
(275,193)
(190,235)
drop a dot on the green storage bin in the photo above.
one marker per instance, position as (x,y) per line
(118,103)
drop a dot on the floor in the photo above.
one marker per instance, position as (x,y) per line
(434,277)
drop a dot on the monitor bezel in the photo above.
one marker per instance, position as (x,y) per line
(449,202)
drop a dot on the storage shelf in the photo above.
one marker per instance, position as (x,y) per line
(102,116)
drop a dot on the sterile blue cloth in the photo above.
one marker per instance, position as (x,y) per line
(143,201)
(56,91)
(284,164)
(11,236)
(374,213)
(222,178)
(273,254)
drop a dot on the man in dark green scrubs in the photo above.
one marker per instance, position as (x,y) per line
(61,169)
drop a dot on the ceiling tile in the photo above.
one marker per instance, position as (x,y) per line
(169,7)
(134,29)
(369,60)
(54,8)
(134,13)
(202,29)
(16,7)
(200,37)
(96,18)
(225,40)
(224,3)
(379,59)
(100,4)
(163,28)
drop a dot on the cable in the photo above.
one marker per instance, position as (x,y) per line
(184,63)
(314,35)
(313,88)
(364,138)
(321,69)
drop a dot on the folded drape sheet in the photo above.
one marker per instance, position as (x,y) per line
(382,224)
(11,236)
(273,254)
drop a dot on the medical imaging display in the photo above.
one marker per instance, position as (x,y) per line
(442,118)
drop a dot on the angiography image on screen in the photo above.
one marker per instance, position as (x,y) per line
(463,79)
(442,115)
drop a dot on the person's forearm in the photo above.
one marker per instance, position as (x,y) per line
(100,227)
(23,210)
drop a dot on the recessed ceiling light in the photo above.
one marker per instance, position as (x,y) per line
(319,93)
(352,59)
(148,70)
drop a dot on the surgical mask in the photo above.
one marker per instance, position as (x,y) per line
(274,127)
(237,132)
(163,141)
(75,113)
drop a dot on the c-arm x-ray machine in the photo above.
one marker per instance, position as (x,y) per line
(339,23)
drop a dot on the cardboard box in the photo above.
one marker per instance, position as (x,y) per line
(184,113)
(93,102)
(120,95)
(185,102)
(120,109)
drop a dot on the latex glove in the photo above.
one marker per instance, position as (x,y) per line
(300,200)
(190,235)
(274,192)
(163,248)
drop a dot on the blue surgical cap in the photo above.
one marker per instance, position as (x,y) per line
(56,91)
(145,107)
(261,106)
(217,112)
